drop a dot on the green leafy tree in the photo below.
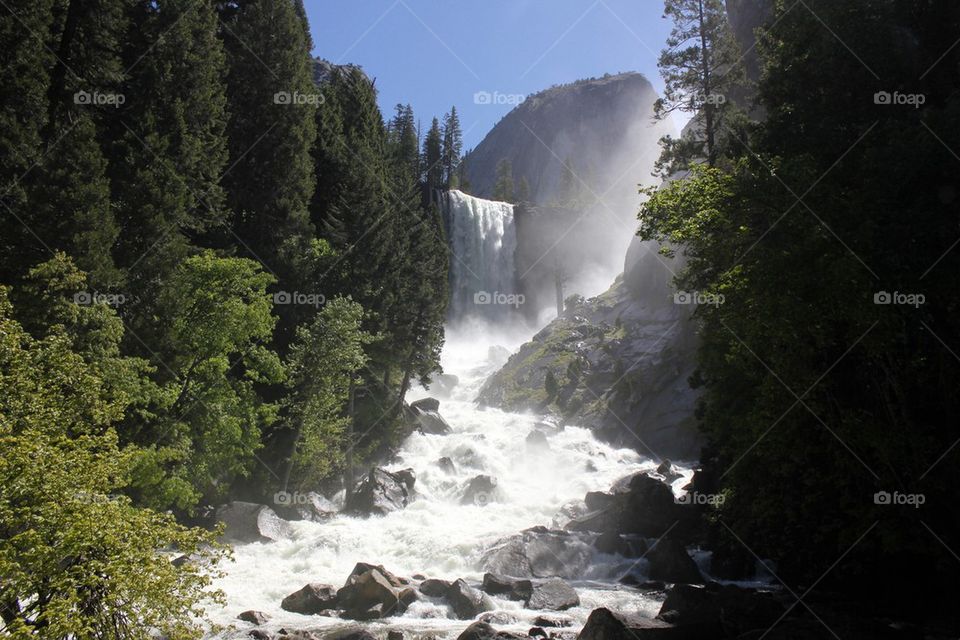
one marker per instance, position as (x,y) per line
(78,559)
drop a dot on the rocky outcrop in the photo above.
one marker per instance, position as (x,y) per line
(621,362)
(381,492)
(370,595)
(250,522)
(312,599)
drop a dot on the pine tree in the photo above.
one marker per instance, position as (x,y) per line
(503,189)
(432,158)
(452,146)
(699,66)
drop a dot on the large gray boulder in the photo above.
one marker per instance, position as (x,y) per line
(250,522)
(480,490)
(466,602)
(604,624)
(426,414)
(539,552)
(552,594)
(311,599)
(380,492)
(507,587)
(369,595)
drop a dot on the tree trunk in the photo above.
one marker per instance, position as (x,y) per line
(708,106)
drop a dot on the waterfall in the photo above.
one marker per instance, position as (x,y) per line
(482,239)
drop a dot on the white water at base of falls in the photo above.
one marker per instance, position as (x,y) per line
(435,535)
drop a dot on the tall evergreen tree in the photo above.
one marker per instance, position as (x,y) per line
(503,188)
(452,146)
(432,158)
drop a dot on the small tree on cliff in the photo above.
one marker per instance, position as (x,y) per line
(699,66)
(503,189)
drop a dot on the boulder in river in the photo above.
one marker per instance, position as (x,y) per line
(507,587)
(250,522)
(467,602)
(254,617)
(478,631)
(426,414)
(368,596)
(727,609)
(552,594)
(381,492)
(362,567)
(446,465)
(434,587)
(311,599)
(603,624)
(536,442)
(539,552)
(480,490)
(669,561)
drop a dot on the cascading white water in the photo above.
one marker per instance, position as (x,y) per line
(482,240)
(436,535)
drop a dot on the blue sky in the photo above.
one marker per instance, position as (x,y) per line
(438,53)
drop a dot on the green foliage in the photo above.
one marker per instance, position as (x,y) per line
(78,559)
(452,147)
(503,188)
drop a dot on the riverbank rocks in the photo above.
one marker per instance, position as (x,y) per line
(603,624)
(478,631)
(726,609)
(250,522)
(480,491)
(539,552)
(311,599)
(369,596)
(467,602)
(254,617)
(552,594)
(381,492)
(509,588)
(669,561)
(434,588)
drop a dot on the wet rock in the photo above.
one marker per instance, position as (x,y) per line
(669,561)
(603,624)
(380,492)
(666,469)
(510,588)
(478,631)
(537,632)
(536,442)
(648,507)
(467,602)
(612,543)
(553,595)
(352,633)
(394,635)
(259,634)
(446,465)
(426,414)
(479,491)
(426,404)
(538,552)
(311,599)
(362,567)
(690,604)
(434,588)
(596,500)
(498,617)
(254,617)
(726,609)
(368,596)
(250,522)
(553,621)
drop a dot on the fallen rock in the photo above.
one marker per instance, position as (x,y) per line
(255,617)
(250,522)
(368,596)
(478,631)
(511,588)
(603,624)
(553,594)
(480,490)
(381,492)
(446,465)
(311,599)
(467,602)
(537,442)
(539,552)
(434,588)
(669,561)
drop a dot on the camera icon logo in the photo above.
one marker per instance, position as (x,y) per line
(882,497)
(83,297)
(281,297)
(882,297)
(682,297)
(882,97)
(282,498)
(82,97)
(282,97)
(481,297)
(482,97)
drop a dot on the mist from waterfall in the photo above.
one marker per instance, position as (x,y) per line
(482,238)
